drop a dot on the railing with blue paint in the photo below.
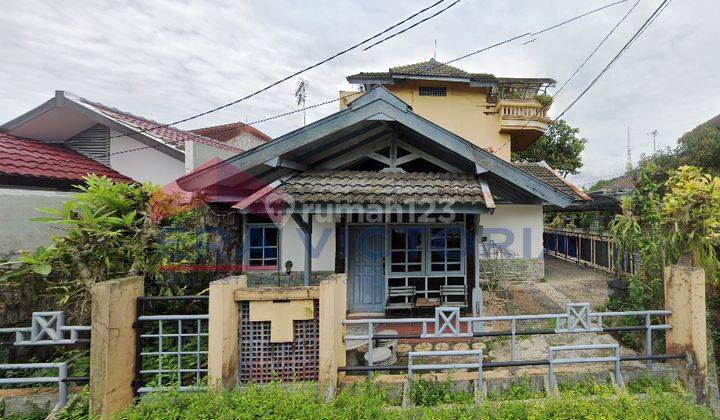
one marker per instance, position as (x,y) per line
(596,250)
(46,329)
(449,324)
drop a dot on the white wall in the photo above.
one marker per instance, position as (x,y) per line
(198,153)
(148,164)
(19,206)
(245,141)
(323,244)
(517,226)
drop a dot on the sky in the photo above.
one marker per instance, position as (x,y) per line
(167,60)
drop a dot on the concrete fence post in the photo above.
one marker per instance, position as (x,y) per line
(333,308)
(112,345)
(685,297)
(223,335)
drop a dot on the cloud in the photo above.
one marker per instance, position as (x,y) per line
(167,60)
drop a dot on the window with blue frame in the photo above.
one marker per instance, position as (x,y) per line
(262,245)
(446,249)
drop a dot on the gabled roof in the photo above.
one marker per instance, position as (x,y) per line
(371,118)
(30,158)
(433,69)
(166,139)
(227,132)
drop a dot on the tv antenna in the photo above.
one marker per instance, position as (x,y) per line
(654,134)
(301,96)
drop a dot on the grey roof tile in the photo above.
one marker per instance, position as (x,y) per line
(552,178)
(432,68)
(358,187)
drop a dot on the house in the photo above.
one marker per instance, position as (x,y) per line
(47,150)
(393,192)
(137,147)
(500,114)
(34,175)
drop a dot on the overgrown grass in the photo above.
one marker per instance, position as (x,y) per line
(428,393)
(520,390)
(649,384)
(589,399)
(585,387)
(367,401)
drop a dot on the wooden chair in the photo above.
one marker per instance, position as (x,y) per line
(449,291)
(405,292)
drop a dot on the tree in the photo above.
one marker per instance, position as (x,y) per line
(559,147)
(110,230)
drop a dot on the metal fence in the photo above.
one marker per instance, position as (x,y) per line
(172,350)
(449,324)
(594,250)
(46,329)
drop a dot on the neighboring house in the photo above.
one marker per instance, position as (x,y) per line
(354,186)
(80,137)
(37,175)
(618,187)
(499,114)
(237,134)
(136,147)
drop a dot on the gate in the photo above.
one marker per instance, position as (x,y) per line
(172,343)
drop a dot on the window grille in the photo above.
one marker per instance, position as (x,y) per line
(433,91)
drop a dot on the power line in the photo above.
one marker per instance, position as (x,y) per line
(579,67)
(332,57)
(632,39)
(412,26)
(600,44)
(284,114)
(576,17)
(618,55)
(513,38)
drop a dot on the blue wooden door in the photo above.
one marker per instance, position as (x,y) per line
(366,274)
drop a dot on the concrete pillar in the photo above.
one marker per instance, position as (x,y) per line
(685,297)
(333,308)
(112,347)
(223,337)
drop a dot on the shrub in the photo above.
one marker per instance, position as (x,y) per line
(427,392)
(521,390)
(368,401)
(585,387)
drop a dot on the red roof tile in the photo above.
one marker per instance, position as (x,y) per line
(24,157)
(169,135)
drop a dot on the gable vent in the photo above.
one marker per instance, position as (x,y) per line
(93,143)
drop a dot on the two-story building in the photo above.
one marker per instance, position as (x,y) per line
(404,189)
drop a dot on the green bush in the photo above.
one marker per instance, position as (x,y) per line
(426,392)
(649,384)
(520,390)
(585,387)
(367,401)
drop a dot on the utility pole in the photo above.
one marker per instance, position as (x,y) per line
(629,166)
(301,96)
(654,134)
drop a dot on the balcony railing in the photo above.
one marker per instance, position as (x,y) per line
(513,111)
(524,120)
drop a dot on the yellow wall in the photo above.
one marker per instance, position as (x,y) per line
(462,111)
